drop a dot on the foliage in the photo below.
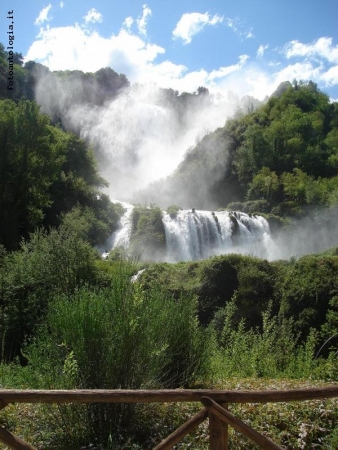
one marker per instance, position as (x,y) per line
(173,210)
(249,207)
(46,172)
(29,165)
(96,223)
(118,337)
(271,352)
(49,263)
(147,335)
(307,289)
(12,85)
(148,235)
(284,150)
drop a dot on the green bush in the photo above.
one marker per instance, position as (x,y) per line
(172,210)
(94,224)
(272,352)
(307,288)
(54,262)
(118,337)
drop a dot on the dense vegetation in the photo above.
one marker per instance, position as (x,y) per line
(280,158)
(71,320)
(45,173)
(78,322)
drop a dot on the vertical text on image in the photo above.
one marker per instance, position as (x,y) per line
(10,49)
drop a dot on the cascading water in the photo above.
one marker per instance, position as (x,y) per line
(193,235)
(121,237)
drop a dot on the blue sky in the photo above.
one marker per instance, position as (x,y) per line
(246,46)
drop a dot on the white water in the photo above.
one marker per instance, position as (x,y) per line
(121,237)
(194,235)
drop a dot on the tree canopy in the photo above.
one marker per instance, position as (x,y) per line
(44,172)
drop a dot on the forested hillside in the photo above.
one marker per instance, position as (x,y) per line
(280,158)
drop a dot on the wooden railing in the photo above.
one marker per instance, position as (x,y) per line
(215,407)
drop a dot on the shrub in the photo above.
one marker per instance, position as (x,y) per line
(172,210)
(55,262)
(118,337)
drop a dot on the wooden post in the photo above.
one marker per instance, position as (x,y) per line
(225,416)
(218,432)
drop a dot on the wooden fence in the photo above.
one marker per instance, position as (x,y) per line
(215,407)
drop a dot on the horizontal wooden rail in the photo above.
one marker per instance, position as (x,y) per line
(163,396)
(219,417)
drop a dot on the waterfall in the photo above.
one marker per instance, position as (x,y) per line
(121,237)
(192,234)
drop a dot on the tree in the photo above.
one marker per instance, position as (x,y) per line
(295,185)
(28,167)
(44,172)
(265,184)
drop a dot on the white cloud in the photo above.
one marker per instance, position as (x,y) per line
(143,20)
(192,23)
(225,71)
(93,16)
(43,16)
(128,22)
(321,48)
(331,76)
(238,28)
(74,48)
(62,5)
(261,50)
(299,71)
(79,48)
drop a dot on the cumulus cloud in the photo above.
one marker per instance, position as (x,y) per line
(43,15)
(143,20)
(331,76)
(192,23)
(62,5)
(321,48)
(74,48)
(93,16)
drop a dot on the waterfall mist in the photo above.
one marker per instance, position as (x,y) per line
(315,233)
(141,133)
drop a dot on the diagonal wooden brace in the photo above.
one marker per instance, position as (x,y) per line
(13,441)
(183,430)
(238,425)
